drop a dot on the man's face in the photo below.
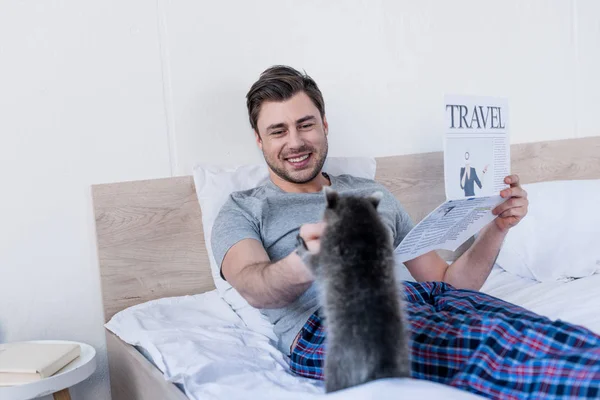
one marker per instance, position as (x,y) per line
(293,138)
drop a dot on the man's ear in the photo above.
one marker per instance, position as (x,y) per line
(258,139)
(332,197)
(325,125)
(375,198)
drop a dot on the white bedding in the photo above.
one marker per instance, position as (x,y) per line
(576,301)
(199,343)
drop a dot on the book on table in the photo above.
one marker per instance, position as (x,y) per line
(26,362)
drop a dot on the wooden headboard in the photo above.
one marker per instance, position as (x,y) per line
(149,233)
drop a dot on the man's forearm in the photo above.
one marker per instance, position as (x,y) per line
(471,269)
(273,285)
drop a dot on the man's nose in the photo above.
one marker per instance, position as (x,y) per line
(295,138)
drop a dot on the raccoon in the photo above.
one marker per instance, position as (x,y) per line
(363,314)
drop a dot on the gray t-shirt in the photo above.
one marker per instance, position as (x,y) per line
(273,217)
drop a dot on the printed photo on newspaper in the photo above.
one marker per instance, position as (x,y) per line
(476,161)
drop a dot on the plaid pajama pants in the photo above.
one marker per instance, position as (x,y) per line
(481,344)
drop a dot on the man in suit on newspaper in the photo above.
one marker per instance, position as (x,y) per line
(468,177)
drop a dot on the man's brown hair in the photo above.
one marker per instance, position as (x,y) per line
(279,83)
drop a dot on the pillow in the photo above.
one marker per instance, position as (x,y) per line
(213,186)
(559,239)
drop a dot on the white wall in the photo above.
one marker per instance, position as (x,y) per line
(94,92)
(81,102)
(587,48)
(384,67)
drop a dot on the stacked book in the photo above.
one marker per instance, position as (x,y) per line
(26,362)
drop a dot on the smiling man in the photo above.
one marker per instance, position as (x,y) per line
(459,336)
(296,159)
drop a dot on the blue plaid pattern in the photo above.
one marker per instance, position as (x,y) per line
(481,344)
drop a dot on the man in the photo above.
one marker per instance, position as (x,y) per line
(459,336)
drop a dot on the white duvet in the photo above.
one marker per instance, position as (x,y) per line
(199,343)
(576,301)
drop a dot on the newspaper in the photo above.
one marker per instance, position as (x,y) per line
(476,161)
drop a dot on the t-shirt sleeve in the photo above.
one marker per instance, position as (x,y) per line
(233,223)
(404,223)
(395,216)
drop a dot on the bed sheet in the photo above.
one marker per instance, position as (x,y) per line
(576,301)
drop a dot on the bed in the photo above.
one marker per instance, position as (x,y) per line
(155,275)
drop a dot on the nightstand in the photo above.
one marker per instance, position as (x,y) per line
(58,384)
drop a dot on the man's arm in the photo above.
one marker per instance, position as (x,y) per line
(470,270)
(473,267)
(266,284)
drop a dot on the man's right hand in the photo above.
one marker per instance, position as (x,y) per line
(266,284)
(311,233)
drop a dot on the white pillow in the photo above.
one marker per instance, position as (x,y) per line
(559,239)
(213,186)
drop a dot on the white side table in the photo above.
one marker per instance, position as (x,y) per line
(58,384)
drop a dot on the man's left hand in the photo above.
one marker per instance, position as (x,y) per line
(512,211)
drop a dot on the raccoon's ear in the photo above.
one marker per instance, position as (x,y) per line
(332,197)
(375,198)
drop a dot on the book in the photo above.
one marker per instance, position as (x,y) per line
(26,362)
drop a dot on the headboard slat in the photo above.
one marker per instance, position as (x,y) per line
(150,241)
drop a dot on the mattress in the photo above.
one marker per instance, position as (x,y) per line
(203,347)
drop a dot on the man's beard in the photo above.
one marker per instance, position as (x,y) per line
(281,172)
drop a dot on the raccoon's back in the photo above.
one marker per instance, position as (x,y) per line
(364,318)
(368,335)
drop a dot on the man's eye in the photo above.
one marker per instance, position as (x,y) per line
(306,126)
(277,133)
